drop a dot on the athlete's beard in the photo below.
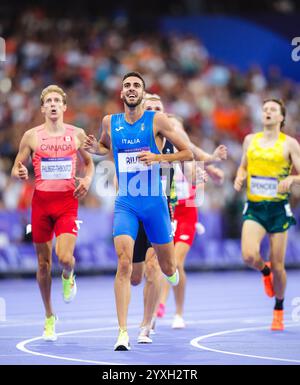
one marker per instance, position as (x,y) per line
(133,104)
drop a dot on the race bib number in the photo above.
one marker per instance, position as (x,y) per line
(129,162)
(263,186)
(56,168)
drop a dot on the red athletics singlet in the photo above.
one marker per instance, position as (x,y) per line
(54,208)
(185,214)
(54,161)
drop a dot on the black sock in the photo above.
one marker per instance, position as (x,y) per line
(266,271)
(278,304)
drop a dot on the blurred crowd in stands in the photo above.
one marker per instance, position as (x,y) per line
(217,102)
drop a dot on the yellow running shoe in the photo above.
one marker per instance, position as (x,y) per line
(122,341)
(173,279)
(49,329)
(69,288)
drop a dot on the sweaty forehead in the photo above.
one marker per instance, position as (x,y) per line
(154,104)
(132,80)
(53,95)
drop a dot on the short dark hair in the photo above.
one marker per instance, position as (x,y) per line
(281,105)
(135,74)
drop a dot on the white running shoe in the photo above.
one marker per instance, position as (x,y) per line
(178,322)
(122,341)
(143,337)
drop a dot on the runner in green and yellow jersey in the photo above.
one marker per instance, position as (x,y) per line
(267,161)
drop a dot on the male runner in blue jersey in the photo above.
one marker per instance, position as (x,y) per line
(132,138)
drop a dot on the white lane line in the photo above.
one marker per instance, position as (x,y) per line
(166,321)
(195,342)
(22,346)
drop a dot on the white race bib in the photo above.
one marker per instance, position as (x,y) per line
(129,162)
(56,168)
(264,186)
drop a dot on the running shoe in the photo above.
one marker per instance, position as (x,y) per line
(178,322)
(268,282)
(49,329)
(173,279)
(144,336)
(161,310)
(122,343)
(277,323)
(69,288)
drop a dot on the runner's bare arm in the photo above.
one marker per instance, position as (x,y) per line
(295,155)
(286,184)
(85,182)
(216,174)
(218,155)
(165,129)
(103,146)
(242,170)
(19,170)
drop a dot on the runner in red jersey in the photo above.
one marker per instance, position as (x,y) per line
(53,147)
(186,218)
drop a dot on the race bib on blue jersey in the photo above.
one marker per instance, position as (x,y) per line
(264,186)
(56,168)
(129,162)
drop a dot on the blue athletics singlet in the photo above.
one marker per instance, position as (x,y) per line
(140,196)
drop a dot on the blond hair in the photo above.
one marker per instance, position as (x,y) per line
(151,97)
(53,88)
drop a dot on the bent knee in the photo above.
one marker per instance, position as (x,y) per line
(65,258)
(125,265)
(44,266)
(168,268)
(250,255)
